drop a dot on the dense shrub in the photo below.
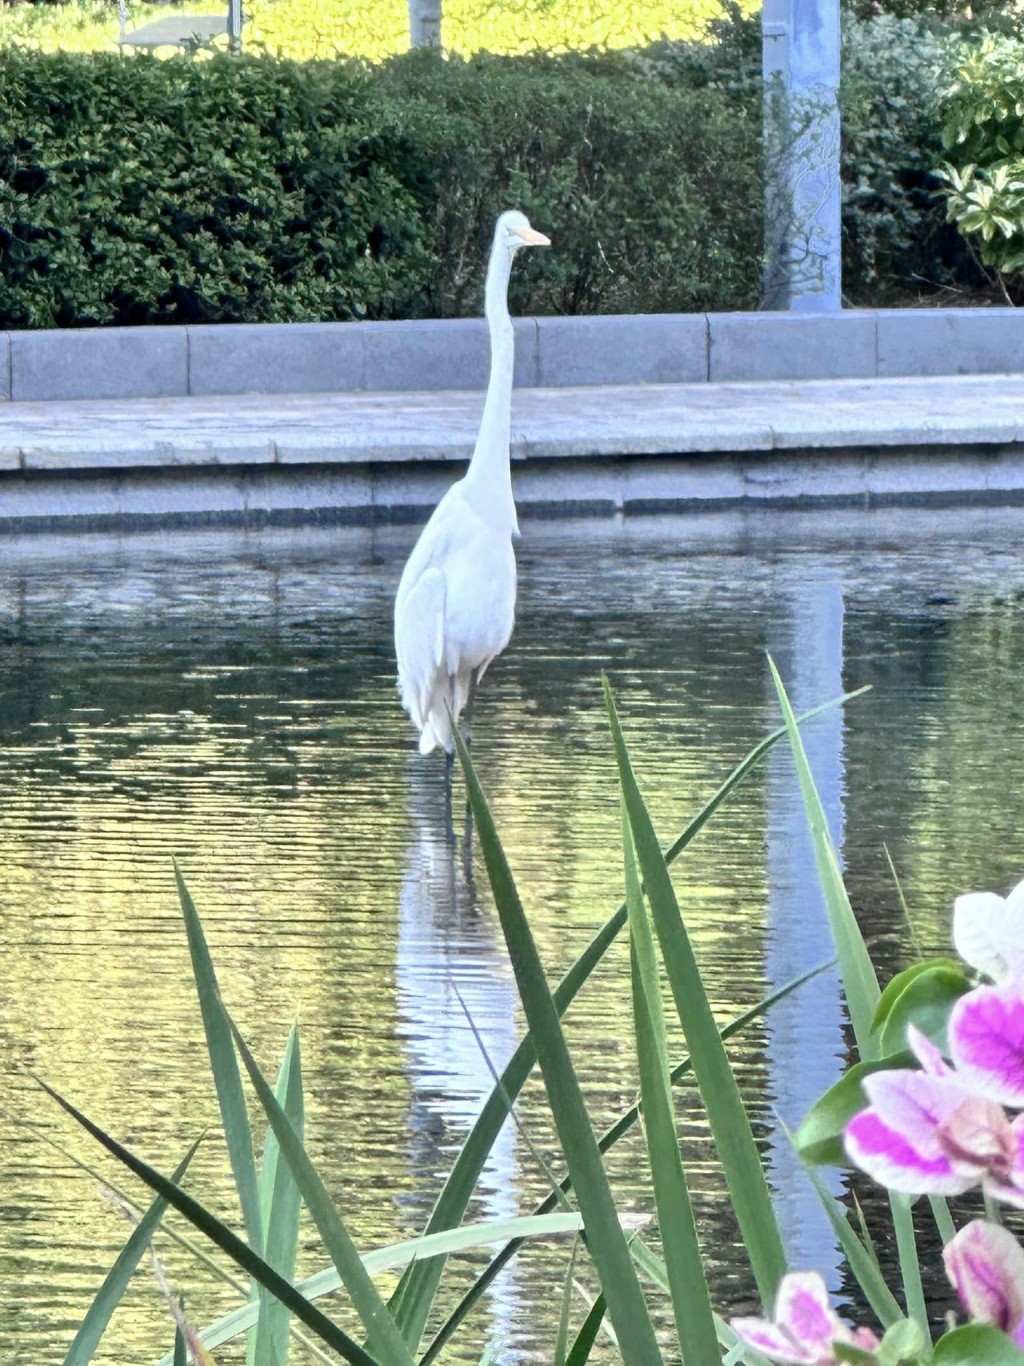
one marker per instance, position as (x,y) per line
(135,190)
(148,191)
(894,234)
(983,134)
(139,191)
(651,189)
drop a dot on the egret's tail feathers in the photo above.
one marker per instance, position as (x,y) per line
(431,705)
(428,740)
(437,731)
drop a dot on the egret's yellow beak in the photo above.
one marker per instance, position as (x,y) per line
(530,237)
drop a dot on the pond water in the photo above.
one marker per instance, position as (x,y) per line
(228,700)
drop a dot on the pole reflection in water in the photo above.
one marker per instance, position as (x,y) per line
(451,964)
(807,645)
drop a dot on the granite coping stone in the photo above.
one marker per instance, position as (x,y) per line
(555,352)
(98,362)
(951,341)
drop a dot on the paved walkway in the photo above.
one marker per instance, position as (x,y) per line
(601,421)
(948,436)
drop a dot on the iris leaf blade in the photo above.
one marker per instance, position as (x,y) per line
(606,1241)
(730,1127)
(111,1292)
(860,984)
(281,1203)
(420,1285)
(385,1341)
(688,1288)
(224,1065)
(219,1233)
(607,1140)
(409,1252)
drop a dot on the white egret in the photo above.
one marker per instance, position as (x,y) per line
(455,606)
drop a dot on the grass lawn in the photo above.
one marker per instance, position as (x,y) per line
(325,28)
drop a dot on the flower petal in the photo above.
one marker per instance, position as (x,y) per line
(927,1054)
(916,1103)
(977,919)
(772,1341)
(892,1159)
(979,1139)
(986,1041)
(988,933)
(986,1264)
(802,1308)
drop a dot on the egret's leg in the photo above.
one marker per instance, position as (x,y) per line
(467,730)
(467,711)
(449,765)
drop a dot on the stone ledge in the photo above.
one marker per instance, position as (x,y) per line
(374,457)
(764,418)
(154,362)
(370,495)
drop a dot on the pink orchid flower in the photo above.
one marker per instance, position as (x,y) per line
(988,933)
(943,1130)
(805,1330)
(986,1264)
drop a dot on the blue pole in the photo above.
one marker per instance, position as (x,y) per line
(801,48)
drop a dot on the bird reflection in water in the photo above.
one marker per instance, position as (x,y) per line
(452,963)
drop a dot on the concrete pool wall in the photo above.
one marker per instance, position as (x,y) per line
(365,421)
(681,348)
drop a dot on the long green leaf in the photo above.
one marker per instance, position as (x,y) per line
(222,1236)
(562,1336)
(860,983)
(605,1239)
(691,1302)
(280,1205)
(610,1136)
(115,1283)
(909,1258)
(467,1237)
(412,1300)
(580,1351)
(383,1337)
(859,1258)
(730,1127)
(224,1065)
(654,1268)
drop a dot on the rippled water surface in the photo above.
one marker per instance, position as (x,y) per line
(228,700)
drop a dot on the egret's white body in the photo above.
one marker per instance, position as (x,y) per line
(455,606)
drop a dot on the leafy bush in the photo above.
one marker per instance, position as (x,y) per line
(894,234)
(646,186)
(146,191)
(983,134)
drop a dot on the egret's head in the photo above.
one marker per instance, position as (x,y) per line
(513,231)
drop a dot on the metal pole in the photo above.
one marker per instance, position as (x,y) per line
(801,43)
(235,26)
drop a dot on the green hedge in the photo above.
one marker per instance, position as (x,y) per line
(895,240)
(134,190)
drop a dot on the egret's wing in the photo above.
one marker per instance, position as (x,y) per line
(419,643)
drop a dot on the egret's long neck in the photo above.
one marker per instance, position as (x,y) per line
(489,476)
